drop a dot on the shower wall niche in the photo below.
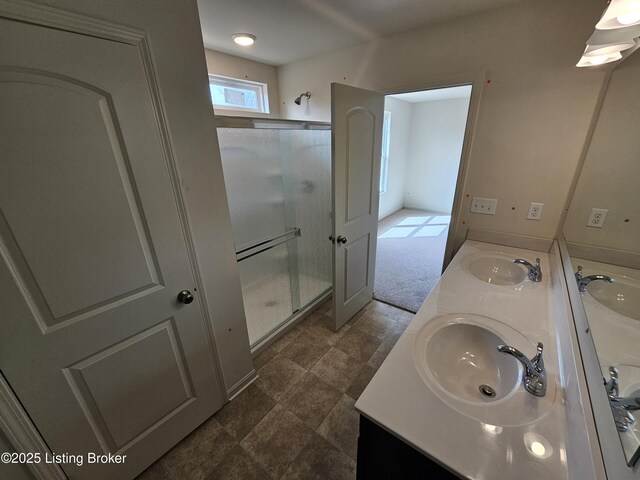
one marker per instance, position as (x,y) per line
(278,180)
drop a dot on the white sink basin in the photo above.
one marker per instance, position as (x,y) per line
(495,268)
(457,358)
(464,360)
(622,296)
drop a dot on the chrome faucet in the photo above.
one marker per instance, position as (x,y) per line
(535,375)
(535,273)
(584,281)
(620,406)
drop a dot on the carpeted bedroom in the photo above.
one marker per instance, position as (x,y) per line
(411,246)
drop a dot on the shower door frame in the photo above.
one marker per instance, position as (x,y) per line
(226,121)
(299,311)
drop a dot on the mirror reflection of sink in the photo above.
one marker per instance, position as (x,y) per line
(457,358)
(622,296)
(628,378)
(629,386)
(495,268)
(463,358)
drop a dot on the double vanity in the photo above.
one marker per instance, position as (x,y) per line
(448,402)
(477,385)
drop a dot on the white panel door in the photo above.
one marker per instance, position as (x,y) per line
(94,342)
(356,118)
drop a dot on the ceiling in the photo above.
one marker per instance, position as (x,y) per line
(447,93)
(290,30)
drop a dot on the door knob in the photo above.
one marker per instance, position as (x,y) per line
(332,239)
(185,296)
(341,239)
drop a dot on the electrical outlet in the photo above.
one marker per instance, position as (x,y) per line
(535,211)
(486,206)
(596,219)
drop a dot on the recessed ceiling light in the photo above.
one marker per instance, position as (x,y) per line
(244,39)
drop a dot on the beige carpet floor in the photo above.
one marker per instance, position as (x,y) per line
(411,246)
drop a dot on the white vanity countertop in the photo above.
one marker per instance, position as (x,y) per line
(400,401)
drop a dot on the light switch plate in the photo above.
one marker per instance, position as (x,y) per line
(535,211)
(596,219)
(486,206)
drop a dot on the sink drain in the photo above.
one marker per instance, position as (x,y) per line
(487,391)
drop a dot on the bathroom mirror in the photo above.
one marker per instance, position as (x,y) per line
(602,235)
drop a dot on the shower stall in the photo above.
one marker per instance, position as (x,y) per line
(278,179)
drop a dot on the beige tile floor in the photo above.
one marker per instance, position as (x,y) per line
(297,421)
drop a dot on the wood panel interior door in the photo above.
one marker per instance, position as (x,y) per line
(356,117)
(93,254)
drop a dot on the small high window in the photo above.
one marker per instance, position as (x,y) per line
(236,94)
(384,163)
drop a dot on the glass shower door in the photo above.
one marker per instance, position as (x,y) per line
(311,174)
(253,176)
(278,185)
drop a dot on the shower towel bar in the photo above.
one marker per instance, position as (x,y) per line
(296,232)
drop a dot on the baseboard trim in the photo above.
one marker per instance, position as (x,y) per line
(247,380)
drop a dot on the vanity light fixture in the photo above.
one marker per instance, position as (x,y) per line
(620,14)
(606,43)
(593,61)
(608,49)
(244,39)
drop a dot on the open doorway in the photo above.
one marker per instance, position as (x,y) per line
(423,139)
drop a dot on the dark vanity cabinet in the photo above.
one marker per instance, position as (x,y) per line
(383,456)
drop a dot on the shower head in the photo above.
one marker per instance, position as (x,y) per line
(298,99)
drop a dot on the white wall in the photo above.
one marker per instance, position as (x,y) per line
(437,134)
(533,115)
(393,199)
(219,63)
